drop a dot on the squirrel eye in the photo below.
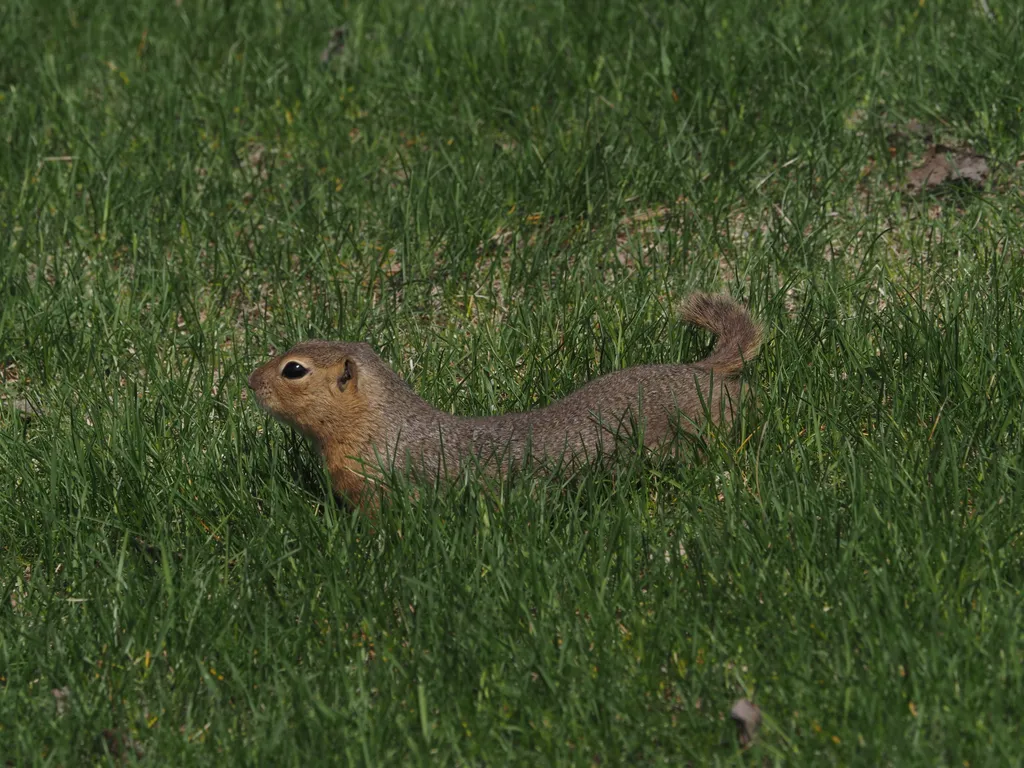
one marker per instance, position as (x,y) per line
(294,370)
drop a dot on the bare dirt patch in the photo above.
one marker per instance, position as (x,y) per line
(943,165)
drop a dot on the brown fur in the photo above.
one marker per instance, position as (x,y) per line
(363,416)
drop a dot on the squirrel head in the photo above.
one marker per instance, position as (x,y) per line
(321,388)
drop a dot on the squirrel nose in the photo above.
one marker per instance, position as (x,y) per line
(252,380)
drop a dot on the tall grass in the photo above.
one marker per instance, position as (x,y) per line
(507,200)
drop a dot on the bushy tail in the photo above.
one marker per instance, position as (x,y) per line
(739,337)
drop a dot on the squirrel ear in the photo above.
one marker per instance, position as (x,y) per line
(347,373)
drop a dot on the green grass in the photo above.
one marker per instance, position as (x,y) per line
(183,187)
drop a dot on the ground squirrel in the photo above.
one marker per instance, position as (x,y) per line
(363,417)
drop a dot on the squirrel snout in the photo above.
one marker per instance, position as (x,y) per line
(252,380)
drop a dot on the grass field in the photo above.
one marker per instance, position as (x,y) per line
(507,199)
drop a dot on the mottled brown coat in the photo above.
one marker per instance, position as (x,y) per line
(363,416)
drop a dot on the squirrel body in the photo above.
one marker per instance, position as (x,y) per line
(363,417)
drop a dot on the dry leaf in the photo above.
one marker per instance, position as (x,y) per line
(336,44)
(61,696)
(914,127)
(901,133)
(747,717)
(256,160)
(25,408)
(120,744)
(942,165)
